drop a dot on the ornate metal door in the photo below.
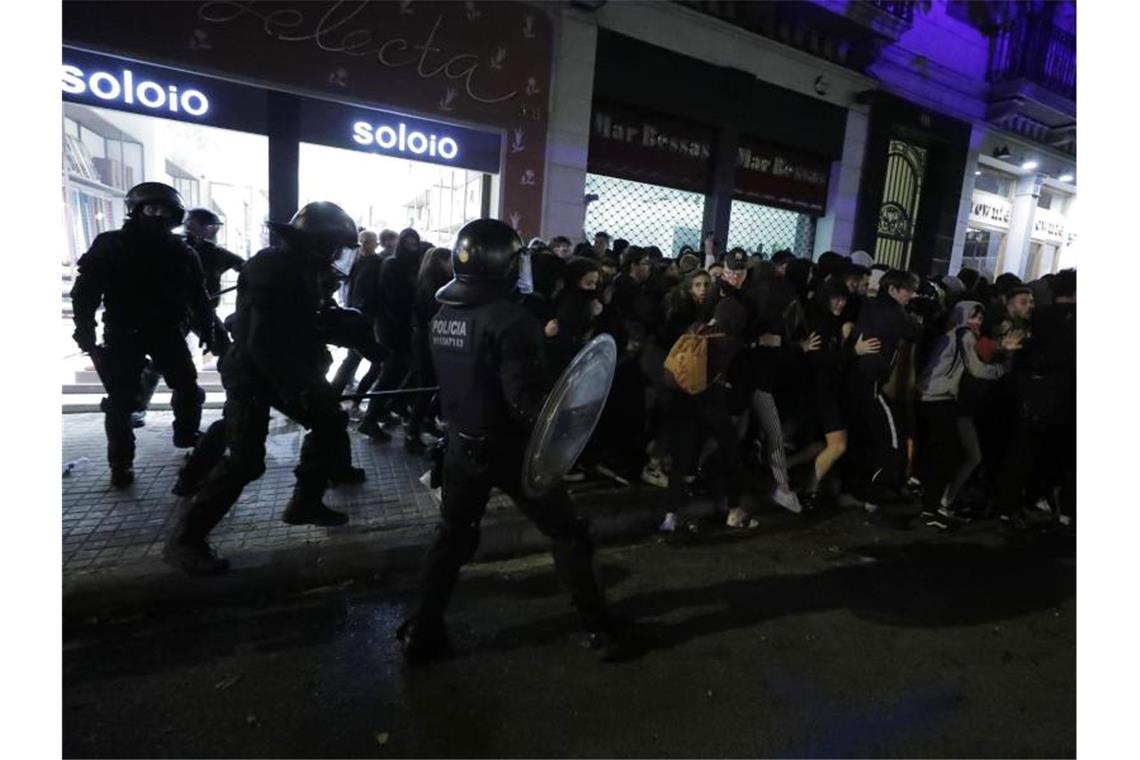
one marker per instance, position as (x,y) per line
(902,190)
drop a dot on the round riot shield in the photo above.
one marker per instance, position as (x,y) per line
(568,417)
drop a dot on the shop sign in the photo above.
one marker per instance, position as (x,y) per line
(778,176)
(392,134)
(110,82)
(649,148)
(989,209)
(1048,227)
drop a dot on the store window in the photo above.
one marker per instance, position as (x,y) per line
(984,250)
(643,214)
(106,152)
(764,229)
(993,182)
(383,192)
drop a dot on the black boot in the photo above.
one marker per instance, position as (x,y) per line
(185,439)
(193,557)
(423,643)
(122,477)
(374,431)
(308,509)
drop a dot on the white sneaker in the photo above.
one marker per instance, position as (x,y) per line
(654,477)
(669,524)
(1044,506)
(787,499)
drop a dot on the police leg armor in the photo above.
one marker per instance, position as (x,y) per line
(325,451)
(573,549)
(172,356)
(246,427)
(466,487)
(123,365)
(207,453)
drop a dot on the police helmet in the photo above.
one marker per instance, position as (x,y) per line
(485,262)
(323,229)
(203,217)
(155,193)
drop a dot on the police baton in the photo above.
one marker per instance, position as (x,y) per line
(221,292)
(382,394)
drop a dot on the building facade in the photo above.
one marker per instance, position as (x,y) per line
(931,134)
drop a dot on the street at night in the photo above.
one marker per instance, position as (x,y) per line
(823,638)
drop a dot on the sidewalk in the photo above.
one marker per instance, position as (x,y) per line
(112,540)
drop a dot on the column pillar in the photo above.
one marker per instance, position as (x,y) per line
(1021,224)
(835,230)
(568,129)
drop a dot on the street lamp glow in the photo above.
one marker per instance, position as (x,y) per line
(1029,165)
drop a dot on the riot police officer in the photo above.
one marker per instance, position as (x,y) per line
(148,282)
(278,359)
(488,354)
(201,231)
(201,228)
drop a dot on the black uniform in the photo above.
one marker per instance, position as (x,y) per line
(278,359)
(150,284)
(489,359)
(216,261)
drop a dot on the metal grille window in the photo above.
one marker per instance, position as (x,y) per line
(644,214)
(765,229)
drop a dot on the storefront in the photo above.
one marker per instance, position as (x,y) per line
(991,211)
(423,116)
(678,146)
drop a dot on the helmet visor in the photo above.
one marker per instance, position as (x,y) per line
(526,275)
(342,260)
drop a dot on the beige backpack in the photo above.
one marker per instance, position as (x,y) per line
(688,361)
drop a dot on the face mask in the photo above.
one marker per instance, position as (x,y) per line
(526,278)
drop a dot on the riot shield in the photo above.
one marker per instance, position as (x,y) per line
(568,417)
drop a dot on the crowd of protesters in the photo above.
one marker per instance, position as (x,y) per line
(834,381)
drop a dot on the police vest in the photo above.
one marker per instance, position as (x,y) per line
(464,346)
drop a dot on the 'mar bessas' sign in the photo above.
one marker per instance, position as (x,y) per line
(777,176)
(650,148)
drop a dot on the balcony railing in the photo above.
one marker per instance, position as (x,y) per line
(1035,49)
(900,9)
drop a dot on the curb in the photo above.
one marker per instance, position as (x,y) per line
(614,515)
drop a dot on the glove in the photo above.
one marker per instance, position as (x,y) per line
(84,337)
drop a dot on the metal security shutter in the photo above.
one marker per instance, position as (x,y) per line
(644,214)
(754,228)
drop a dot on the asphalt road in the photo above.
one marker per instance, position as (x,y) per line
(818,638)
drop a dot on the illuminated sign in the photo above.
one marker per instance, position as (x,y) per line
(399,135)
(122,87)
(992,210)
(400,139)
(106,81)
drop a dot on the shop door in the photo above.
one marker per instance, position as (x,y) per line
(902,191)
(383,192)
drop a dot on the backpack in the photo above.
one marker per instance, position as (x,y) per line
(687,363)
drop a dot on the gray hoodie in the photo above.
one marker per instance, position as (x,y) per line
(954,354)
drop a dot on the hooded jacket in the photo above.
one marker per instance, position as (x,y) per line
(396,294)
(882,317)
(953,355)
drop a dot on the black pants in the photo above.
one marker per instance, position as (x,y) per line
(1041,457)
(688,421)
(393,376)
(326,447)
(939,448)
(425,378)
(472,466)
(884,460)
(123,363)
